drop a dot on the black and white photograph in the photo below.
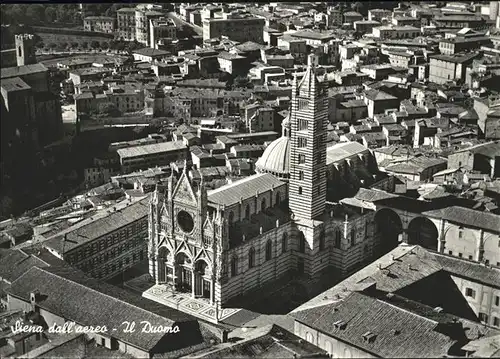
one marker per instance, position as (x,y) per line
(250,180)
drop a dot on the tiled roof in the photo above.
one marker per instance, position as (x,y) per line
(376,95)
(74,296)
(404,266)
(245,188)
(99,227)
(416,336)
(15,262)
(144,150)
(14,84)
(468,217)
(342,151)
(270,341)
(373,195)
(22,70)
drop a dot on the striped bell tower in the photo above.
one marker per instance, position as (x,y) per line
(307,188)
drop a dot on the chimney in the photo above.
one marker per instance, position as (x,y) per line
(33,298)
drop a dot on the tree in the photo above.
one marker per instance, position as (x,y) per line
(74,45)
(108,108)
(94,44)
(35,14)
(50,14)
(85,45)
(104,45)
(241,82)
(52,45)
(40,45)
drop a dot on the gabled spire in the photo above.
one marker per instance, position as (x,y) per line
(309,83)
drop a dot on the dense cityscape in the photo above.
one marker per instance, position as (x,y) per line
(288,180)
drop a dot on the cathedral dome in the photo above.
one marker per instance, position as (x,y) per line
(276,158)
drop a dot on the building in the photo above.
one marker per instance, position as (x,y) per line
(150,54)
(488,117)
(143,17)
(146,156)
(227,242)
(236,29)
(378,102)
(464,41)
(108,244)
(417,168)
(69,296)
(30,109)
(161,30)
(379,15)
(444,68)
(395,32)
(99,24)
(126,23)
(482,158)
(389,309)
(259,118)
(468,233)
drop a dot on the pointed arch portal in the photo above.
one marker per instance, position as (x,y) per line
(388,227)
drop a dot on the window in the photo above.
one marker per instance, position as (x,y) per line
(309,337)
(278,198)
(301,175)
(269,250)
(450,253)
(483,318)
(496,322)
(300,190)
(234,266)
(284,243)
(470,257)
(231,217)
(353,237)
(302,243)
(302,142)
(322,240)
(460,255)
(247,212)
(338,238)
(263,204)
(302,159)
(251,258)
(460,233)
(497,300)
(469,292)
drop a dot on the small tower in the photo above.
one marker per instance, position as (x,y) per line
(25,49)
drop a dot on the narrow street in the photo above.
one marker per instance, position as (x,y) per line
(178,22)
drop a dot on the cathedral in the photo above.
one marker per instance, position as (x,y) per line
(224,243)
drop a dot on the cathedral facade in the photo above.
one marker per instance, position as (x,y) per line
(225,243)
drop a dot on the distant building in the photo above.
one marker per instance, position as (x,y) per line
(395,32)
(158,154)
(99,24)
(237,29)
(162,29)
(106,245)
(444,68)
(126,23)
